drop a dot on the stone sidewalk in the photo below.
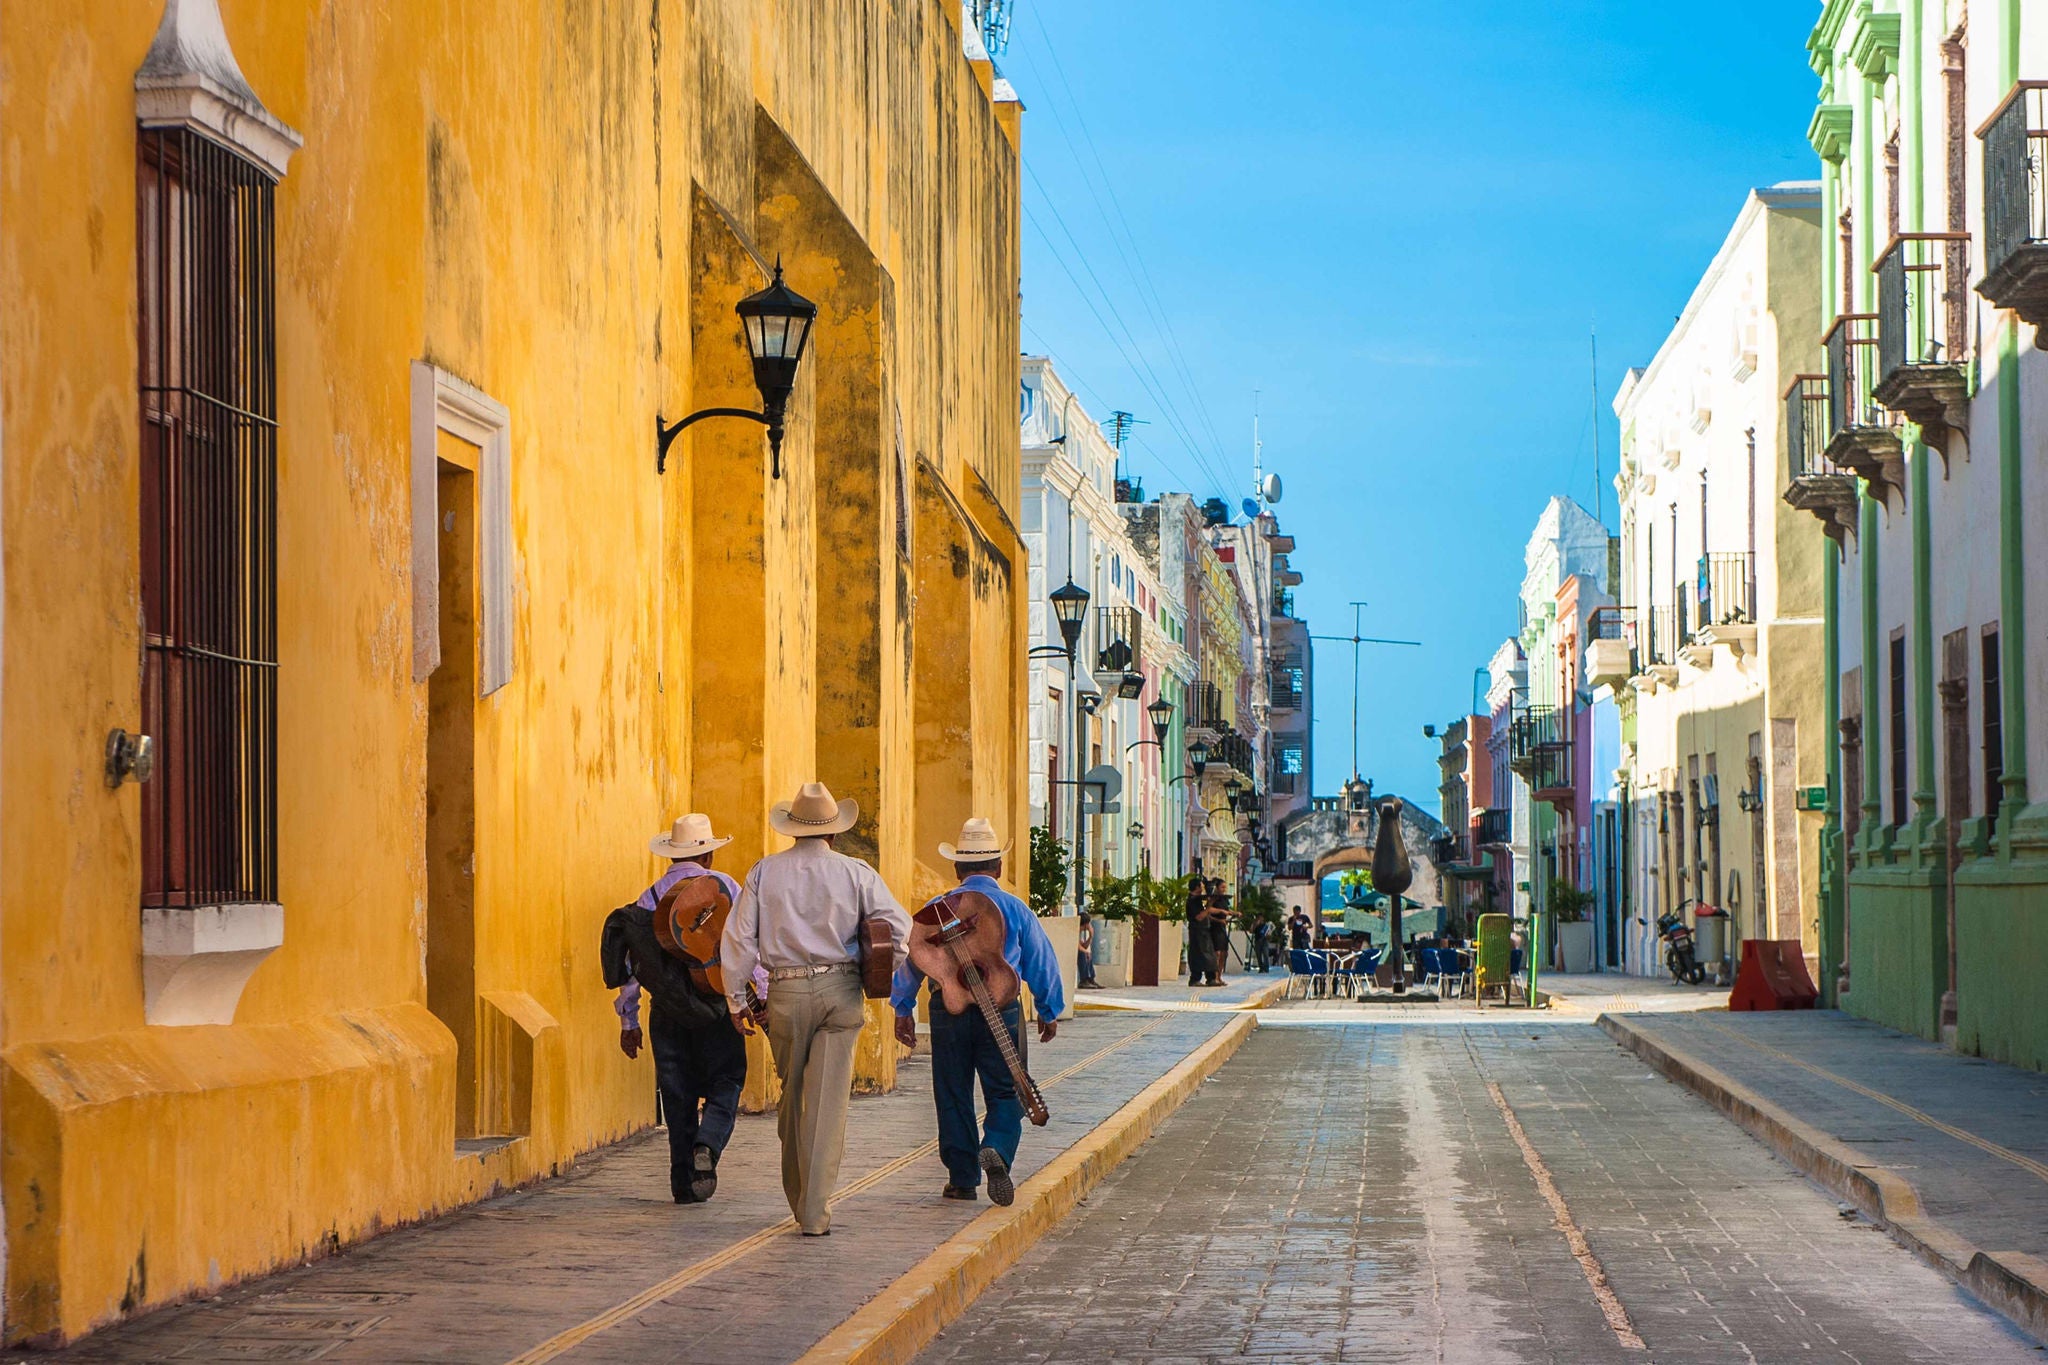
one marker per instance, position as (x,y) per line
(599,1265)
(1241,990)
(1613,993)
(1951,1152)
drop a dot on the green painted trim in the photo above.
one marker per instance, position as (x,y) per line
(2009,46)
(1820,44)
(2012,596)
(1874,46)
(1829,131)
(1873,729)
(1831,828)
(1923,646)
(1912,61)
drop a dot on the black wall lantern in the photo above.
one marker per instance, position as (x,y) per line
(778,325)
(1161,712)
(1069,606)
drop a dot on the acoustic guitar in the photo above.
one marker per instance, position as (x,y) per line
(957,941)
(689,922)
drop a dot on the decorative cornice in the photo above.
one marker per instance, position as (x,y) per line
(1830,130)
(1874,45)
(190,79)
(1820,44)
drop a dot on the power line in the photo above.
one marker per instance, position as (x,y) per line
(1142,372)
(1139,272)
(1157,388)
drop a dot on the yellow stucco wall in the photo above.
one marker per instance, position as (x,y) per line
(557,204)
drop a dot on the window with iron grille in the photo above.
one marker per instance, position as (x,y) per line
(208,391)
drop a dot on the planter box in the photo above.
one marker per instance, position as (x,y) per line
(1112,953)
(1172,937)
(1575,947)
(1065,933)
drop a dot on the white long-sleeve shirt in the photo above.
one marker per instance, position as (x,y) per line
(803,908)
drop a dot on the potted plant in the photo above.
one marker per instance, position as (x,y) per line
(1571,910)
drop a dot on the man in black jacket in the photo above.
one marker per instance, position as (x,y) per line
(700,1059)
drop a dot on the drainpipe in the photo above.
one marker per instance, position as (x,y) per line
(1832,931)
(2012,596)
(1924,814)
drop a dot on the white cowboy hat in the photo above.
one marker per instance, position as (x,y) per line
(690,838)
(814,811)
(979,843)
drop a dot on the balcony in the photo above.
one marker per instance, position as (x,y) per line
(1817,485)
(1496,829)
(1234,752)
(1283,686)
(1657,644)
(1119,632)
(1863,434)
(1923,331)
(1611,647)
(1540,751)
(1294,870)
(1283,604)
(1720,607)
(2015,205)
(1205,711)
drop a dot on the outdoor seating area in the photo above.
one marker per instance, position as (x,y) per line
(1340,973)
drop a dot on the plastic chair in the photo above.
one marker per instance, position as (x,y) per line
(1304,966)
(1429,967)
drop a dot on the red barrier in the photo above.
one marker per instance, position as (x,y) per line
(1772,977)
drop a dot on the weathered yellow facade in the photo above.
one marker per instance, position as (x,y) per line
(555,205)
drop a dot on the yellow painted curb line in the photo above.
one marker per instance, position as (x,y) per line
(2012,1282)
(892,1327)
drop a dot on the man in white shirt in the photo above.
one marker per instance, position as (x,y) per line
(799,915)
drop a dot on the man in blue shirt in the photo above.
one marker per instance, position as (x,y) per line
(962,1045)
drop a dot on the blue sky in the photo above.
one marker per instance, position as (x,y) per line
(1399,223)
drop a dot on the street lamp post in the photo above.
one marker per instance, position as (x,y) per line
(778,324)
(1084,707)
(1069,609)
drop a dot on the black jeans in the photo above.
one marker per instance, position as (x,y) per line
(704,1066)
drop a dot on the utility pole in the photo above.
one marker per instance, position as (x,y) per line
(1355,640)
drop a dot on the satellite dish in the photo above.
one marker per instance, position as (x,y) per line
(1251,508)
(1269,488)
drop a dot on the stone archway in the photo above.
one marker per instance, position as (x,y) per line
(1332,837)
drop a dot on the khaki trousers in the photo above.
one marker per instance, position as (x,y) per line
(813,1023)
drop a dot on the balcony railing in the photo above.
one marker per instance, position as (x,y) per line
(1611,651)
(1726,591)
(1923,331)
(1235,752)
(1283,686)
(1540,749)
(1205,706)
(1120,631)
(1283,604)
(1817,485)
(1661,649)
(2016,203)
(1496,828)
(1863,435)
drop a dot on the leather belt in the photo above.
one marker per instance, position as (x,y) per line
(815,969)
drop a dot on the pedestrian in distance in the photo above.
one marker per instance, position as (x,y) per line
(1084,963)
(1301,930)
(700,1064)
(1262,945)
(1219,931)
(963,1046)
(1201,966)
(799,915)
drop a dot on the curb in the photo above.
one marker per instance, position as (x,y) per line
(1257,1000)
(2012,1282)
(896,1324)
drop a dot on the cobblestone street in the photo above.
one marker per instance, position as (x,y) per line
(1357,1191)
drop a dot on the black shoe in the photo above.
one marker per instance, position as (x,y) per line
(962,1192)
(681,1193)
(703,1173)
(1001,1190)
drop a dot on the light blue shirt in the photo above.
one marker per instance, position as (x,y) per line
(1025,947)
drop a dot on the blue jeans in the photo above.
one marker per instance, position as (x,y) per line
(700,1072)
(963,1048)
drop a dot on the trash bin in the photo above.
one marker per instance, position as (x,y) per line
(1710,940)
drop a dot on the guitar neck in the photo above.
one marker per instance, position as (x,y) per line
(1027,1089)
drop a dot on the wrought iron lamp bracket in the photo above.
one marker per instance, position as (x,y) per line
(665,433)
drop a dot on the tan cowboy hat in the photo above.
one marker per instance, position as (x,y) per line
(691,837)
(979,843)
(813,812)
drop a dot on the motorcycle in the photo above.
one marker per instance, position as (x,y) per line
(1679,956)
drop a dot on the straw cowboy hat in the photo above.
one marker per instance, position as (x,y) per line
(979,843)
(813,812)
(691,837)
